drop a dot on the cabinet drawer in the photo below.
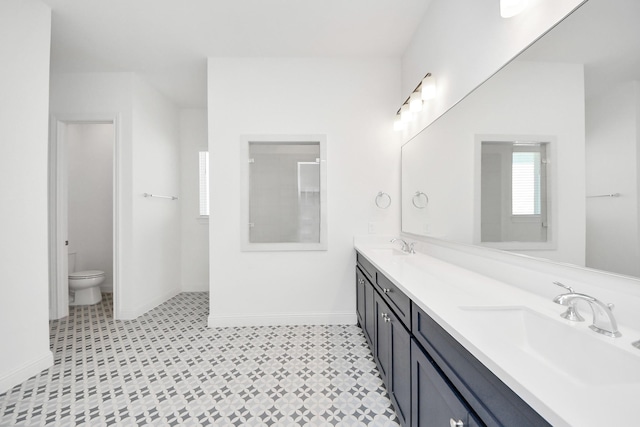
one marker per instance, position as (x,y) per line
(397,300)
(368,268)
(491,399)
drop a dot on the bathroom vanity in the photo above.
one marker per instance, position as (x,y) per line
(457,348)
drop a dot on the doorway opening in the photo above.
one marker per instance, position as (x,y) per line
(83,206)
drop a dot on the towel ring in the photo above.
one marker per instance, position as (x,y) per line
(418,198)
(380,200)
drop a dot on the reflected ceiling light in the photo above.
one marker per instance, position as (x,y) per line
(509,8)
(428,87)
(415,102)
(425,90)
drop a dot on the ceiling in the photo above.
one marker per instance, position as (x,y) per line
(168,41)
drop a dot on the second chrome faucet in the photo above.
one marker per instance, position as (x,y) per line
(406,247)
(604,321)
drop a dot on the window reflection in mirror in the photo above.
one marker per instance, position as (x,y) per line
(514,192)
(285,191)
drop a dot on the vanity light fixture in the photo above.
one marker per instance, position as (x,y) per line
(398,124)
(415,102)
(509,8)
(428,87)
(425,90)
(405,113)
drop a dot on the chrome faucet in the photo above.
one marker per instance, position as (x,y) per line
(406,247)
(603,320)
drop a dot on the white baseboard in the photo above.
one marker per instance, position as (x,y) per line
(130,314)
(26,371)
(221,321)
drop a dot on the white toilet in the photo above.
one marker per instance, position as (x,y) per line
(84,286)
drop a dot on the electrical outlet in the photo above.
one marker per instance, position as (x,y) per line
(372,228)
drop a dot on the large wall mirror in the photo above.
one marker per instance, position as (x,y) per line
(577,90)
(284,188)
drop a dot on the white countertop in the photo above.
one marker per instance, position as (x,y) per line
(568,373)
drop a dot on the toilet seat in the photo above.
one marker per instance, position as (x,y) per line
(87,274)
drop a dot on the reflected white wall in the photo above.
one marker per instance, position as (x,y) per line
(612,147)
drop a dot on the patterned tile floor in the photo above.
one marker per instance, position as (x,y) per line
(166,368)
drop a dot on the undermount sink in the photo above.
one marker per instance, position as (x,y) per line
(521,333)
(389,252)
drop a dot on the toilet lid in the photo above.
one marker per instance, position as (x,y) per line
(87,274)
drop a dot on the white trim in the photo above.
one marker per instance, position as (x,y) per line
(26,371)
(150,304)
(58,295)
(230,320)
(58,285)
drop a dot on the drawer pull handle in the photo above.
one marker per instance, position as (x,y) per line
(386,317)
(454,423)
(386,290)
(361,281)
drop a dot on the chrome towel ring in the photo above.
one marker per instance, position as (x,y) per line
(383,200)
(420,200)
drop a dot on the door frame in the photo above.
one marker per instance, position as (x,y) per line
(58,268)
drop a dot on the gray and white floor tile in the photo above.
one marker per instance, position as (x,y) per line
(167,368)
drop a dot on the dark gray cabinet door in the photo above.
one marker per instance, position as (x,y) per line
(393,354)
(382,337)
(360,298)
(434,402)
(365,305)
(369,319)
(400,369)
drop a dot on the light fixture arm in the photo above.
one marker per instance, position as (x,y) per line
(413,91)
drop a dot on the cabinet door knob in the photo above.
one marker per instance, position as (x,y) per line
(386,290)
(454,423)
(361,281)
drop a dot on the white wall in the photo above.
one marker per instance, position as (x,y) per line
(156,222)
(551,104)
(462,43)
(90,197)
(85,96)
(349,101)
(24,270)
(612,167)
(148,161)
(195,230)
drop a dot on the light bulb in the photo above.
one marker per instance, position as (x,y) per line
(509,8)
(415,102)
(398,124)
(405,113)
(428,87)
